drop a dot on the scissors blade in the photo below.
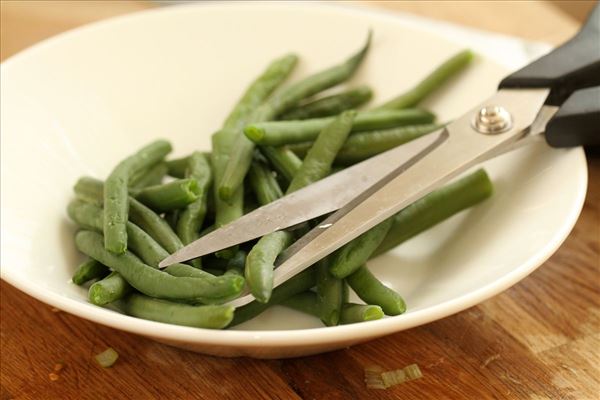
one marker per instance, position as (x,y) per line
(458,147)
(534,135)
(318,199)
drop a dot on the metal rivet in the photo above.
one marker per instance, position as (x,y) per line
(492,120)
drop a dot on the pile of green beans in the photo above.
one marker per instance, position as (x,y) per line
(275,141)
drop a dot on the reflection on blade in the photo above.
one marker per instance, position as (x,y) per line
(318,199)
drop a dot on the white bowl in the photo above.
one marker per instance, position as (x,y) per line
(76,104)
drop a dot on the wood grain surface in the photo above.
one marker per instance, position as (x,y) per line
(537,340)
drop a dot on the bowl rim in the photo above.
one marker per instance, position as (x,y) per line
(284,338)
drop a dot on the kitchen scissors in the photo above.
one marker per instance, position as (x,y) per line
(555,98)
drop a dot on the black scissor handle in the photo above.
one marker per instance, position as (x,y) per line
(567,71)
(577,122)
(572,66)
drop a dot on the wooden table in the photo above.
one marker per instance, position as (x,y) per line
(537,340)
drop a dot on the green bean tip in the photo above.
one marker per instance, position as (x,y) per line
(373,313)
(254,133)
(469,54)
(228,314)
(238,282)
(116,248)
(95,295)
(263,296)
(192,189)
(225,192)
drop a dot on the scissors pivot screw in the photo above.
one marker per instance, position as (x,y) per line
(492,120)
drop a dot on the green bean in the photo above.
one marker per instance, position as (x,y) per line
(225,211)
(153,282)
(212,317)
(318,160)
(186,271)
(241,157)
(169,196)
(330,105)
(192,218)
(226,142)
(283,160)
(223,142)
(297,284)
(236,169)
(263,182)
(116,192)
(154,225)
(210,274)
(279,133)
(111,288)
(86,215)
(312,84)
(353,313)
(90,216)
(137,175)
(372,291)
(305,302)
(90,190)
(362,145)
(260,263)
(430,83)
(436,207)
(260,90)
(177,167)
(88,270)
(330,294)
(355,253)
(150,177)
(144,246)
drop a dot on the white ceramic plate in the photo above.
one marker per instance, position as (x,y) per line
(76,104)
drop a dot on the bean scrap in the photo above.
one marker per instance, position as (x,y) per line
(377,378)
(107,358)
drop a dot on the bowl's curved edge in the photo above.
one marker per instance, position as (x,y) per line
(309,340)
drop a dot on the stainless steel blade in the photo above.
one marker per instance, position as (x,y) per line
(535,133)
(462,148)
(318,199)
